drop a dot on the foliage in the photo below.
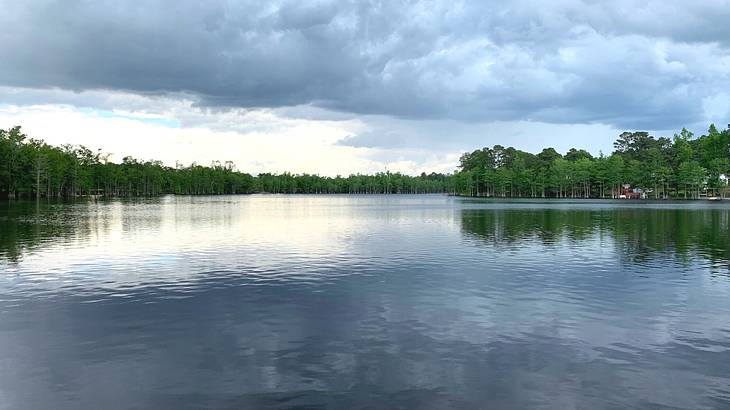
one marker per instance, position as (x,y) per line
(682,167)
(32,168)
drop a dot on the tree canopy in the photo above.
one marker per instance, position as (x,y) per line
(32,168)
(681,167)
(684,167)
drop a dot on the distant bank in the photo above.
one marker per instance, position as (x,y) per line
(641,167)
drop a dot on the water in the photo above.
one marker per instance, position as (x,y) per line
(364,302)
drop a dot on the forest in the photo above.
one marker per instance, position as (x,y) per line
(684,166)
(30,168)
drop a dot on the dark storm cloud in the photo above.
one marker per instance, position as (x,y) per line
(637,64)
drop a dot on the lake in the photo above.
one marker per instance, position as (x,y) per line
(346,302)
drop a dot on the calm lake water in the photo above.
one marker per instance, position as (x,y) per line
(350,302)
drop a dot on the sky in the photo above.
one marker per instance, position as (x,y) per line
(339,87)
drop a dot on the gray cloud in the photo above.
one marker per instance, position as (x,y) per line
(632,64)
(438,135)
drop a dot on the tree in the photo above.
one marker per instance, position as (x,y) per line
(681,167)
(692,176)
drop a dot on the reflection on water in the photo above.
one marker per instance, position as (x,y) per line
(638,234)
(365,301)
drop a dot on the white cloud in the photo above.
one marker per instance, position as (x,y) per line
(296,146)
(266,141)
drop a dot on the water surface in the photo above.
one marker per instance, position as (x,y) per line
(364,302)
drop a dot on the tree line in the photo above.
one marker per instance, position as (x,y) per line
(30,168)
(680,167)
(684,166)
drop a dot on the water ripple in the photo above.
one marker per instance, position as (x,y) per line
(354,302)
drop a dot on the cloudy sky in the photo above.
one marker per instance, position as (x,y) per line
(344,86)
